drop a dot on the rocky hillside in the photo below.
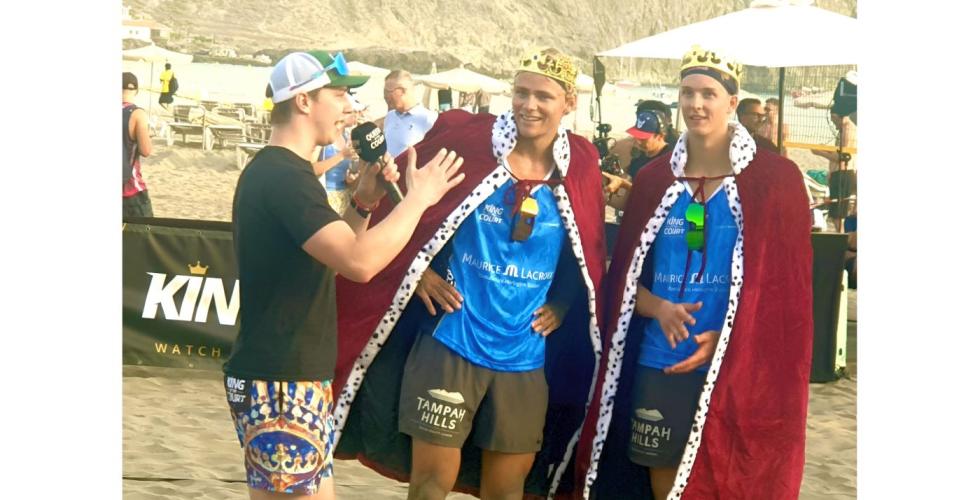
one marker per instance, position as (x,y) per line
(487,36)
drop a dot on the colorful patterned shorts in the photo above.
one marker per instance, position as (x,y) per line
(339,200)
(286,430)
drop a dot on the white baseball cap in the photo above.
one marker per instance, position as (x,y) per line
(296,72)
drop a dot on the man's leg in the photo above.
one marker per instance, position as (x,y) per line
(434,470)
(440,393)
(324,493)
(502,475)
(661,481)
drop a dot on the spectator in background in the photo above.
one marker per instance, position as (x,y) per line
(752,116)
(166,94)
(334,162)
(768,129)
(467,101)
(850,257)
(136,143)
(653,135)
(841,166)
(407,121)
(267,105)
(482,102)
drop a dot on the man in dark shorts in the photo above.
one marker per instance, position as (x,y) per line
(289,243)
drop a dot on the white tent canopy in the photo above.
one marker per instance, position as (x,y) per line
(775,34)
(155,54)
(463,80)
(584,84)
(359,68)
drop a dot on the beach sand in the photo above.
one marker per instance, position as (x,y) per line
(178,440)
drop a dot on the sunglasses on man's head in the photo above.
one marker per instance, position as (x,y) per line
(694,216)
(339,65)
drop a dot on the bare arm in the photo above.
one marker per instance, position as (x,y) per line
(141,132)
(360,257)
(830,155)
(358,253)
(618,191)
(320,167)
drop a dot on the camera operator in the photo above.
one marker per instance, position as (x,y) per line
(653,136)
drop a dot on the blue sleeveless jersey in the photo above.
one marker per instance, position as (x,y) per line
(502,282)
(669,256)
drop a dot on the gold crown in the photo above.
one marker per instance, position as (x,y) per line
(198,268)
(555,66)
(698,57)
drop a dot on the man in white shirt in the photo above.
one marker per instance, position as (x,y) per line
(407,120)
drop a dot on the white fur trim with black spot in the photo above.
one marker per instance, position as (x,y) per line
(741,151)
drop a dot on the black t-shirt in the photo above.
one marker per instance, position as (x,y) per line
(288,302)
(640,161)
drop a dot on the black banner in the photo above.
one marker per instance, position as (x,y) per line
(828,271)
(180,293)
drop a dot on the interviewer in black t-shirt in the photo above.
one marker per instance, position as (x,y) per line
(289,243)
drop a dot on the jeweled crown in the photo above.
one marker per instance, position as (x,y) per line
(697,57)
(559,67)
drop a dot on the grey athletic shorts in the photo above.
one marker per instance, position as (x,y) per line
(661,415)
(444,397)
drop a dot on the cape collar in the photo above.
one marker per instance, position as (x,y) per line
(504,138)
(741,151)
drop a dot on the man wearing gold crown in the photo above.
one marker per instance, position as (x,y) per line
(488,394)
(703,385)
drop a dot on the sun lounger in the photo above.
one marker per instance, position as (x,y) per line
(258,132)
(186,122)
(209,105)
(227,134)
(236,113)
(244,151)
(246,108)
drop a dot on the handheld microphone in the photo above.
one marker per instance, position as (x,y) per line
(369,142)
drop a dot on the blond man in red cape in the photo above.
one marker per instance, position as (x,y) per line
(746,438)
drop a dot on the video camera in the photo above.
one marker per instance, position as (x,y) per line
(609,162)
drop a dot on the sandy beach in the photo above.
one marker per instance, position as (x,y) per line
(178,440)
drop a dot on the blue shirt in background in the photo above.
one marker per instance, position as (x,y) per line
(335,178)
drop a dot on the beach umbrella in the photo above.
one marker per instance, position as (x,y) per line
(769,33)
(154,53)
(359,68)
(463,80)
(584,84)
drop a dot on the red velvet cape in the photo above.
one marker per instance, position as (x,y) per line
(752,444)
(368,377)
